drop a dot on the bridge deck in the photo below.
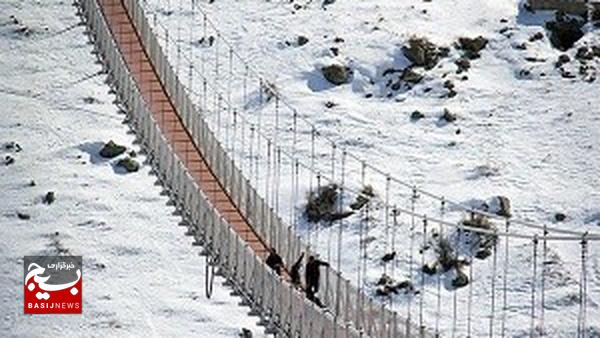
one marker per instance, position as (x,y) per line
(164,112)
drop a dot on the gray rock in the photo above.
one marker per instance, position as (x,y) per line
(448,116)
(416,115)
(410,76)
(129,164)
(336,74)
(423,53)
(301,40)
(564,31)
(472,46)
(562,59)
(111,150)
(463,64)
(584,53)
(49,198)
(8,160)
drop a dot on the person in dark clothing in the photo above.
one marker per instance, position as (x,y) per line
(311,296)
(312,274)
(295,272)
(274,261)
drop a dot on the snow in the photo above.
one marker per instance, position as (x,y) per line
(523,131)
(141,275)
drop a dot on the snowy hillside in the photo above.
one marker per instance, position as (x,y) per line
(524,127)
(141,275)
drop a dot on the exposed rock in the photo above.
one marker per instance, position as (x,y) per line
(584,54)
(564,31)
(410,76)
(321,203)
(8,160)
(32,183)
(336,216)
(504,206)
(534,59)
(422,52)
(520,46)
(245,333)
(90,100)
(337,39)
(363,198)
(524,74)
(559,217)
(446,256)
(416,115)
(335,51)
(448,84)
(562,59)
(49,198)
(330,104)
(483,253)
(23,216)
(384,280)
(448,116)
(336,74)
(472,46)
(476,220)
(567,74)
(460,280)
(12,146)
(429,269)
(301,40)
(388,257)
(391,71)
(463,65)
(129,164)
(537,36)
(111,149)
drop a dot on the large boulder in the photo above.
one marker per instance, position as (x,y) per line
(564,31)
(421,52)
(111,149)
(129,164)
(336,74)
(472,46)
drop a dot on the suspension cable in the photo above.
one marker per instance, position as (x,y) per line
(533,285)
(438,312)
(422,295)
(504,279)
(493,286)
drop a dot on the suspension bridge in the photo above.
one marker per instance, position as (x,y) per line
(237,159)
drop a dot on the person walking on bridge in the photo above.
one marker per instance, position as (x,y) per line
(295,272)
(313,274)
(274,261)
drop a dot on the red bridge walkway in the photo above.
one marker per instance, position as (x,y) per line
(155,95)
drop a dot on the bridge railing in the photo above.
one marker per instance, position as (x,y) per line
(266,293)
(345,301)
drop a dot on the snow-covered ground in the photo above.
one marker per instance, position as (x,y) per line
(141,275)
(522,130)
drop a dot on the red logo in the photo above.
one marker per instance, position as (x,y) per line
(52,284)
